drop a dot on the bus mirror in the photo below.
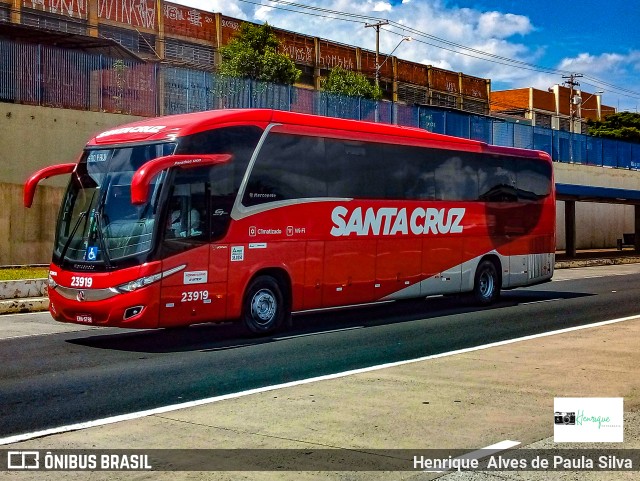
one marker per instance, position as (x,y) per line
(143,176)
(32,182)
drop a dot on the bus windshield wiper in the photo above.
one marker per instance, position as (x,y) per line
(103,245)
(82,215)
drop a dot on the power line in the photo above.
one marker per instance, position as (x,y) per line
(435,41)
(478,54)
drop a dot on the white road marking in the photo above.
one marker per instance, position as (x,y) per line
(284,338)
(174,407)
(482,453)
(539,302)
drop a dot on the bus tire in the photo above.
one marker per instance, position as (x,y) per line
(486,286)
(263,309)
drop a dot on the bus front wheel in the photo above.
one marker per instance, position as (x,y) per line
(486,288)
(264,307)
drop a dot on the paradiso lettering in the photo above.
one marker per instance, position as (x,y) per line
(393,221)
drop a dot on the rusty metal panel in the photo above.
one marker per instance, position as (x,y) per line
(189,22)
(475,87)
(337,55)
(67,8)
(444,80)
(140,14)
(299,48)
(369,64)
(230,28)
(129,88)
(413,73)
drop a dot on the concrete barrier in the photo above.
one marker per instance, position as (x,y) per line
(26,295)
(23,288)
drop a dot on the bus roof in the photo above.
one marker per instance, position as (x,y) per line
(174,126)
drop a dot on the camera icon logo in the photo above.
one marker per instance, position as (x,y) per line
(23,460)
(565,418)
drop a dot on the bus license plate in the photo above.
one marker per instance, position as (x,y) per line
(84,318)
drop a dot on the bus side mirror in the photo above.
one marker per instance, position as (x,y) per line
(31,184)
(143,176)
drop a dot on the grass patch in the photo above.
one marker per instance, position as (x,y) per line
(17,273)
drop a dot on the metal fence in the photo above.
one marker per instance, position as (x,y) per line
(52,77)
(48,76)
(191,91)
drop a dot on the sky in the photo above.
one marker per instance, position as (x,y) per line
(515,43)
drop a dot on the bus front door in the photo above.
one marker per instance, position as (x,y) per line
(190,296)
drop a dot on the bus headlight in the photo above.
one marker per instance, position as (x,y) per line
(138,283)
(51,283)
(145,281)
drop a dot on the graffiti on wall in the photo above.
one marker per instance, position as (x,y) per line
(136,13)
(189,22)
(69,8)
(302,54)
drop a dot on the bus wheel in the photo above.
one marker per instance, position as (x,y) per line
(486,288)
(264,307)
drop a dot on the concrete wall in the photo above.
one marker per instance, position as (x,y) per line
(597,225)
(32,138)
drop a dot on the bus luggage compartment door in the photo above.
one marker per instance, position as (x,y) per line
(349,272)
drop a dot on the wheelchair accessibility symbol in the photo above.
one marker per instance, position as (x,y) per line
(92,253)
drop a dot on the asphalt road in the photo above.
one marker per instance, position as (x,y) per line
(58,379)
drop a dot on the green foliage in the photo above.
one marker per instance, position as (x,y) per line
(620,126)
(346,82)
(254,54)
(18,273)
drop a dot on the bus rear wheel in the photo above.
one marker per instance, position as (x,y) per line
(486,287)
(264,307)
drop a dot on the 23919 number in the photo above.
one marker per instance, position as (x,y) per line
(193,296)
(77,281)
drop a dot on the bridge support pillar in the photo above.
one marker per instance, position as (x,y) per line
(636,229)
(570,227)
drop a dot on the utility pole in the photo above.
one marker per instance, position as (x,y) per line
(571,82)
(377,26)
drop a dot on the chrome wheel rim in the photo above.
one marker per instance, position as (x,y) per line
(263,306)
(486,285)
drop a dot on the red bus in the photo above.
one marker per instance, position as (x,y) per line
(255,214)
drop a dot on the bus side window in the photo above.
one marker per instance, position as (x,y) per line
(456,176)
(497,179)
(288,167)
(187,204)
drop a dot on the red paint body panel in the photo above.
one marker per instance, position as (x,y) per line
(307,240)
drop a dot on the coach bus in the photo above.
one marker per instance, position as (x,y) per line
(254,214)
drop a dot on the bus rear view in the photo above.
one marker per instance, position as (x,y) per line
(254,214)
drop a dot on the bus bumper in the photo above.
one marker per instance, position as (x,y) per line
(138,309)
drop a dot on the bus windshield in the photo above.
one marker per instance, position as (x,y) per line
(97,221)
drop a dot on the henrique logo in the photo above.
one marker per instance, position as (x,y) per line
(588,420)
(393,221)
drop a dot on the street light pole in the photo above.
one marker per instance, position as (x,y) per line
(580,102)
(571,82)
(379,67)
(377,26)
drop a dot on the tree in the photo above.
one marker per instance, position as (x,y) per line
(620,126)
(254,53)
(346,82)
